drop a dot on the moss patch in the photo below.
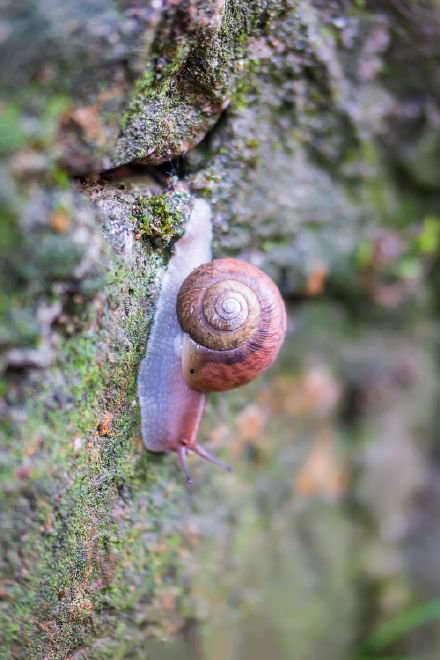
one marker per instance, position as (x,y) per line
(160,217)
(198,56)
(73,464)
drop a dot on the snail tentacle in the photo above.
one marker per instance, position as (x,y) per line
(209,457)
(181,455)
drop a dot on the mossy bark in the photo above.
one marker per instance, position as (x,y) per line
(311,127)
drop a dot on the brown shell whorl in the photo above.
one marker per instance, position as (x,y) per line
(217,307)
(235,322)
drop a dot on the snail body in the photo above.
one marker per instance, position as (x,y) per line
(218,325)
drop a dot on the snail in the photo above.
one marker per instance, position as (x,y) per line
(218,325)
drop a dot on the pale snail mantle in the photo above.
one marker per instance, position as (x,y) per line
(218,325)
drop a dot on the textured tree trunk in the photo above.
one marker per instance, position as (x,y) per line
(312,130)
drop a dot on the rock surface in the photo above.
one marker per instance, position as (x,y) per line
(312,129)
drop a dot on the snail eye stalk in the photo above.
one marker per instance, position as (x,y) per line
(181,455)
(182,451)
(209,457)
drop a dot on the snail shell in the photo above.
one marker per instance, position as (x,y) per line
(234,321)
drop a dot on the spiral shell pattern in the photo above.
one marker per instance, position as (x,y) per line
(234,319)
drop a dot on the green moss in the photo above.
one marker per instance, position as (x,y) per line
(160,217)
(72,547)
(18,327)
(12,134)
(59,177)
(41,132)
(428,240)
(182,95)
(245,87)
(144,89)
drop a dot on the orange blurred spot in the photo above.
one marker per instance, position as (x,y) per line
(249,428)
(250,423)
(316,280)
(316,392)
(59,221)
(322,473)
(86,117)
(168,601)
(320,391)
(105,424)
